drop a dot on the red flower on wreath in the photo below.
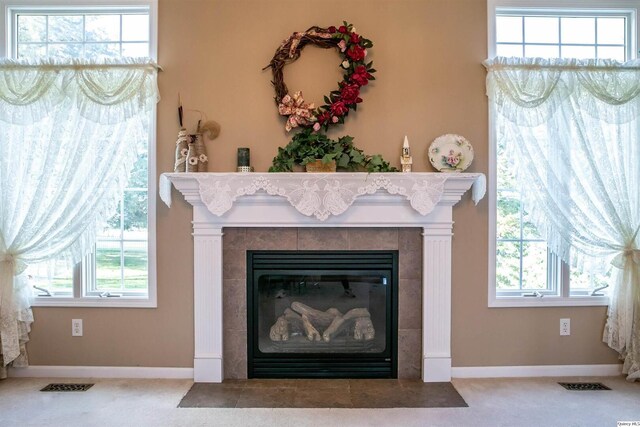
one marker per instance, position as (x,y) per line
(356,52)
(361,76)
(338,108)
(349,93)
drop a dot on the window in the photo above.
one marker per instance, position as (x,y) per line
(522,269)
(121,269)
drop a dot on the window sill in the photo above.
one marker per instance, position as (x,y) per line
(121,302)
(548,301)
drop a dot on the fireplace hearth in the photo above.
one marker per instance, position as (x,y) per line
(322,314)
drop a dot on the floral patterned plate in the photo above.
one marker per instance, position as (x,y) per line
(450,153)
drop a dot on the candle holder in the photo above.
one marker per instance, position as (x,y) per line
(244,160)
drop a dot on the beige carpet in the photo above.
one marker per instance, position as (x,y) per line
(492,402)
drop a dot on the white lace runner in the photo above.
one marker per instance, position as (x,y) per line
(319,195)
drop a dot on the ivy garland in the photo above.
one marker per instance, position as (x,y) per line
(353,50)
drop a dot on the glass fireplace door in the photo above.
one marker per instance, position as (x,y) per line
(333,318)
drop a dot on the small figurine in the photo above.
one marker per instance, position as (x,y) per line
(406,160)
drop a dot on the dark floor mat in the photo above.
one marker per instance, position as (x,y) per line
(340,393)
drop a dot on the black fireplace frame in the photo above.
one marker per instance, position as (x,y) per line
(323,365)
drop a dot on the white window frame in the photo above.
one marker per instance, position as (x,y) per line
(563,298)
(7,13)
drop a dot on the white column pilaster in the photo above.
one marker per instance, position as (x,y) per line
(436,302)
(207,295)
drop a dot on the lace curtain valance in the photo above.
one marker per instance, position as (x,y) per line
(69,134)
(106,92)
(570,129)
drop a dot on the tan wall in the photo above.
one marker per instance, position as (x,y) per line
(430,81)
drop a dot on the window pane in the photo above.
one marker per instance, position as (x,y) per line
(108,266)
(541,51)
(102,28)
(508,218)
(578,30)
(65,28)
(135,215)
(509,29)
(102,50)
(135,266)
(529,231)
(65,50)
(135,28)
(32,28)
(541,29)
(534,265)
(35,50)
(509,50)
(508,265)
(53,275)
(135,49)
(611,30)
(610,52)
(581,52)
(111,230)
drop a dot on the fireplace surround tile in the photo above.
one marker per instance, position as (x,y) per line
(373,238)
(410,264)
(410,304)
(410,239)
(234,294)
(319,238)
(234,264)
(410,290)
(409,345)
(272,238)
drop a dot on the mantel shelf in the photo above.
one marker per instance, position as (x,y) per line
(322,198)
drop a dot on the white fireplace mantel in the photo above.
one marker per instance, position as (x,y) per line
(322,200)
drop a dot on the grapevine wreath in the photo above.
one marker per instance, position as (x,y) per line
(353,50)
(357,73)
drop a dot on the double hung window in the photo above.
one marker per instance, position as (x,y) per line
(121,269)
(523,271)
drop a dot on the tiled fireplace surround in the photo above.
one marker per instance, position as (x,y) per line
(408,241)
(236,212)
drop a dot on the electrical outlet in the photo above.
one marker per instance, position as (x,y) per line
(76,327)
(565,326)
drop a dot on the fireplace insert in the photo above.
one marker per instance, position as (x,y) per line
(322,314)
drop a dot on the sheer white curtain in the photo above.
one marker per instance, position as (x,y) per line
(572,129)
(68,136)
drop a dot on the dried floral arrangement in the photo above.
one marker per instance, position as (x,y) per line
(357,73)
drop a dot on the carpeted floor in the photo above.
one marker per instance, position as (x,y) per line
(339,393)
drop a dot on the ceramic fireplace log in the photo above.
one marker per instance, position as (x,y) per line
(311,332)
(321,319)
(280,330)
(338,322)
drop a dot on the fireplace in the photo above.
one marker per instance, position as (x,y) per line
(298,200)
(322,314)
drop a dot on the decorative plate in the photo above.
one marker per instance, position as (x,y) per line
(450,153)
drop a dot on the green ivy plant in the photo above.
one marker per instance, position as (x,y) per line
(307,146)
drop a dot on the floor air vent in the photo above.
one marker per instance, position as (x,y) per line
(584,386)
(67,387)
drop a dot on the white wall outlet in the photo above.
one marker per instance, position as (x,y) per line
(565,326)
(76,327)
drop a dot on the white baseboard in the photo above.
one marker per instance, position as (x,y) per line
(537,371)
(36,371)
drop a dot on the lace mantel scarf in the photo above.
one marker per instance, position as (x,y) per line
(320,195)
